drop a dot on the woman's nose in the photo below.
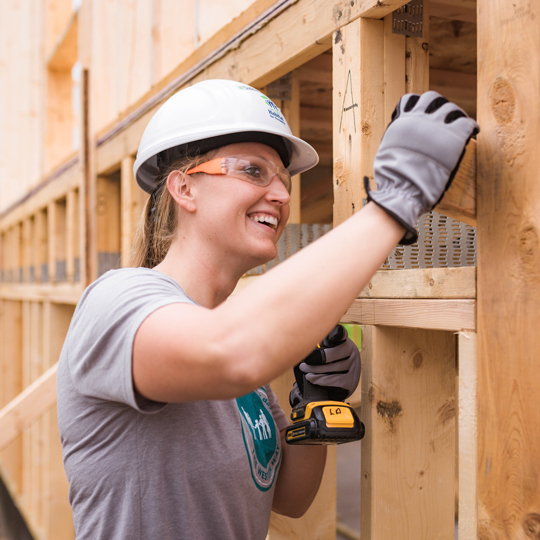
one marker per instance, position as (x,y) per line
(278,192)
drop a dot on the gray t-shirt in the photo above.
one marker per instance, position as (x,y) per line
(143,470)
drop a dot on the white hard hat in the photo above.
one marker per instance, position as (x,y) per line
(211,114)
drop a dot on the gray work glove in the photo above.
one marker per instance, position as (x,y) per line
(418,157)
(335,364)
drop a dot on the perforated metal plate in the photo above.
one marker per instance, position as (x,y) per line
(443,242)
(408,19)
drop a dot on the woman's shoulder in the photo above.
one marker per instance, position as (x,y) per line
(132,285)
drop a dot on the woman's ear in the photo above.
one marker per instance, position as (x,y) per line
(181,188)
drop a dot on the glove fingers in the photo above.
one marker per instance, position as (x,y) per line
(340,366)
(325,380)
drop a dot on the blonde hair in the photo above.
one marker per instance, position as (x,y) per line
(158,223)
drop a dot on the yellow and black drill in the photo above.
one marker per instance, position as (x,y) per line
(322,417)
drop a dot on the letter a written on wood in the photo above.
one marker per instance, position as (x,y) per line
(348,106)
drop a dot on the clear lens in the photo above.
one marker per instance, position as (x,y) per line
(256,170)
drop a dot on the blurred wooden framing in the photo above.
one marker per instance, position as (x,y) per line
(421,324)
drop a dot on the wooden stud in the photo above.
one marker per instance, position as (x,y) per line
(398,364)
(417,58)
(11,386)
(108,221)
(129,207)
(508,270)
(358,109)
(291,111)
(467,437)
(52,243)
(408,408)
(26,249)
(57,514)
(459,202)
(72,236)
(41,246)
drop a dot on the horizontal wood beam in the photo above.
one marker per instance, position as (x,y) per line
(462,10)
(435,283)
(29,405)
(62,293)
(451,315)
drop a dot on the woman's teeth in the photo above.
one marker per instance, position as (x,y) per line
(266,220)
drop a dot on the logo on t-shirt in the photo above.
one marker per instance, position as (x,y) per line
(260,437)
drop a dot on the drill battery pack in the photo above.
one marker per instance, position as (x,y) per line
(324,422)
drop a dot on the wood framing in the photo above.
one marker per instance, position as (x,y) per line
(439,401)
(508,270)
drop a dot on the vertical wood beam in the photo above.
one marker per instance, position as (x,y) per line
(87,191)
(508,210)
(128,196)
(358,101)
(408,407)
(40,246)
(72,234)
(11,384)
(408,380)
(108,222)
(467,436)
(417,58)
(57,514)
(52,245)
(26,248)
(291,112)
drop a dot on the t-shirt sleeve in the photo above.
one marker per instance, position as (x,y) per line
(277,412)
(99,344)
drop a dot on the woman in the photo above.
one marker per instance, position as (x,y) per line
(168,425)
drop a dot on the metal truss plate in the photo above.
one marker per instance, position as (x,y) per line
(443,242)
(407,20)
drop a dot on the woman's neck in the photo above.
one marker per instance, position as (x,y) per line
(207,280)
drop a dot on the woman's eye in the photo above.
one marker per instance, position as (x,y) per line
(253,171)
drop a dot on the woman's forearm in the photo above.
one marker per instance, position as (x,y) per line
(280,317)
(300,475)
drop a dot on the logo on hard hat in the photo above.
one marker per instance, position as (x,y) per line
(273,110)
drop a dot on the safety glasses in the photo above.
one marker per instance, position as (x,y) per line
(253,169)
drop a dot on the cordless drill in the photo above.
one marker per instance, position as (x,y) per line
(321,417)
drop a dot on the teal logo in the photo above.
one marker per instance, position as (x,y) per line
(261,439)
(273,110)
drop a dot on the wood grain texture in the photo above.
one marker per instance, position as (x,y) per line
(429,314)
(30,404)
(508,270)
(459,282)
(408,408)
(467,436)
(459,202)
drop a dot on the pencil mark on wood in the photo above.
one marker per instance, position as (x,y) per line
(352,104)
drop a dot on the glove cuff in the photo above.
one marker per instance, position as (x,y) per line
(411,234)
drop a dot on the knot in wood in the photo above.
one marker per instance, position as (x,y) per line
(528,246)
(531,526)
(502,101)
